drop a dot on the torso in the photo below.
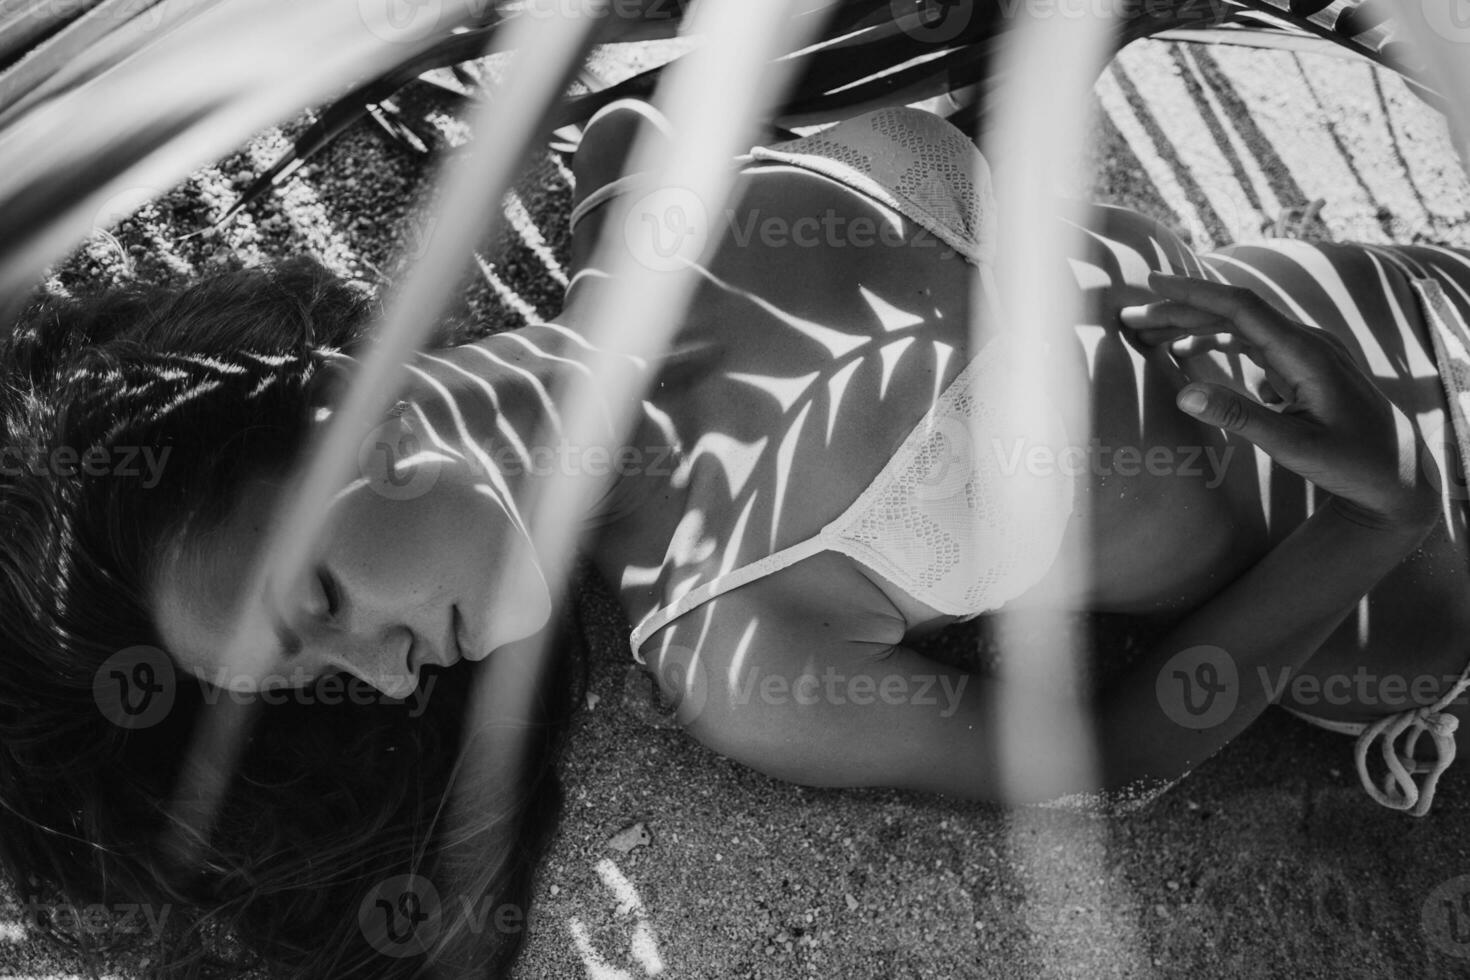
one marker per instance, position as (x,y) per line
(1162,541)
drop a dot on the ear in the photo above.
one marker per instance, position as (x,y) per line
(333,376)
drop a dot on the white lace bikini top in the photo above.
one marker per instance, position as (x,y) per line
(932,522)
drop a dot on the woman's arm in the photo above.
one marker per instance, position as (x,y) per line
(822,711)
(1209,678)
(1198,687)
(1326,422)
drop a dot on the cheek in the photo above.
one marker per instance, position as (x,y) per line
(421,546)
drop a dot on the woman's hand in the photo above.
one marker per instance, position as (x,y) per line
(1320,416)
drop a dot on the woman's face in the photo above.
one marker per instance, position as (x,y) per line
(405,573)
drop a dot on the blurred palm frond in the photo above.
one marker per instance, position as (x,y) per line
(878,52)
(99,97)
(869,53)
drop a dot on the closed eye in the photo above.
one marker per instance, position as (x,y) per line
(331,590)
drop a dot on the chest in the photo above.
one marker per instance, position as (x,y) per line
(824,357)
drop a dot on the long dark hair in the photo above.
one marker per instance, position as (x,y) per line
(329,800)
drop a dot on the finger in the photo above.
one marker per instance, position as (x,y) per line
(1267,394)
(1156,337)
(1171,314)
(1284,394)
(1210,332)
(1263,382)
(1338,345)
(1280,340)
(1278,434)
(1253,377)
(1195,346)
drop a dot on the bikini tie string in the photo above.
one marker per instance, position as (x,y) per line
(1450,336)
(1399,791)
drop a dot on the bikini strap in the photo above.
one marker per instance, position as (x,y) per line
(722,583)
(604,193)
(613,188)
(1450,335)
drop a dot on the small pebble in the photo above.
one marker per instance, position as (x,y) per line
(634,835)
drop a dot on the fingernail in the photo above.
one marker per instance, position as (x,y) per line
(1192,400)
